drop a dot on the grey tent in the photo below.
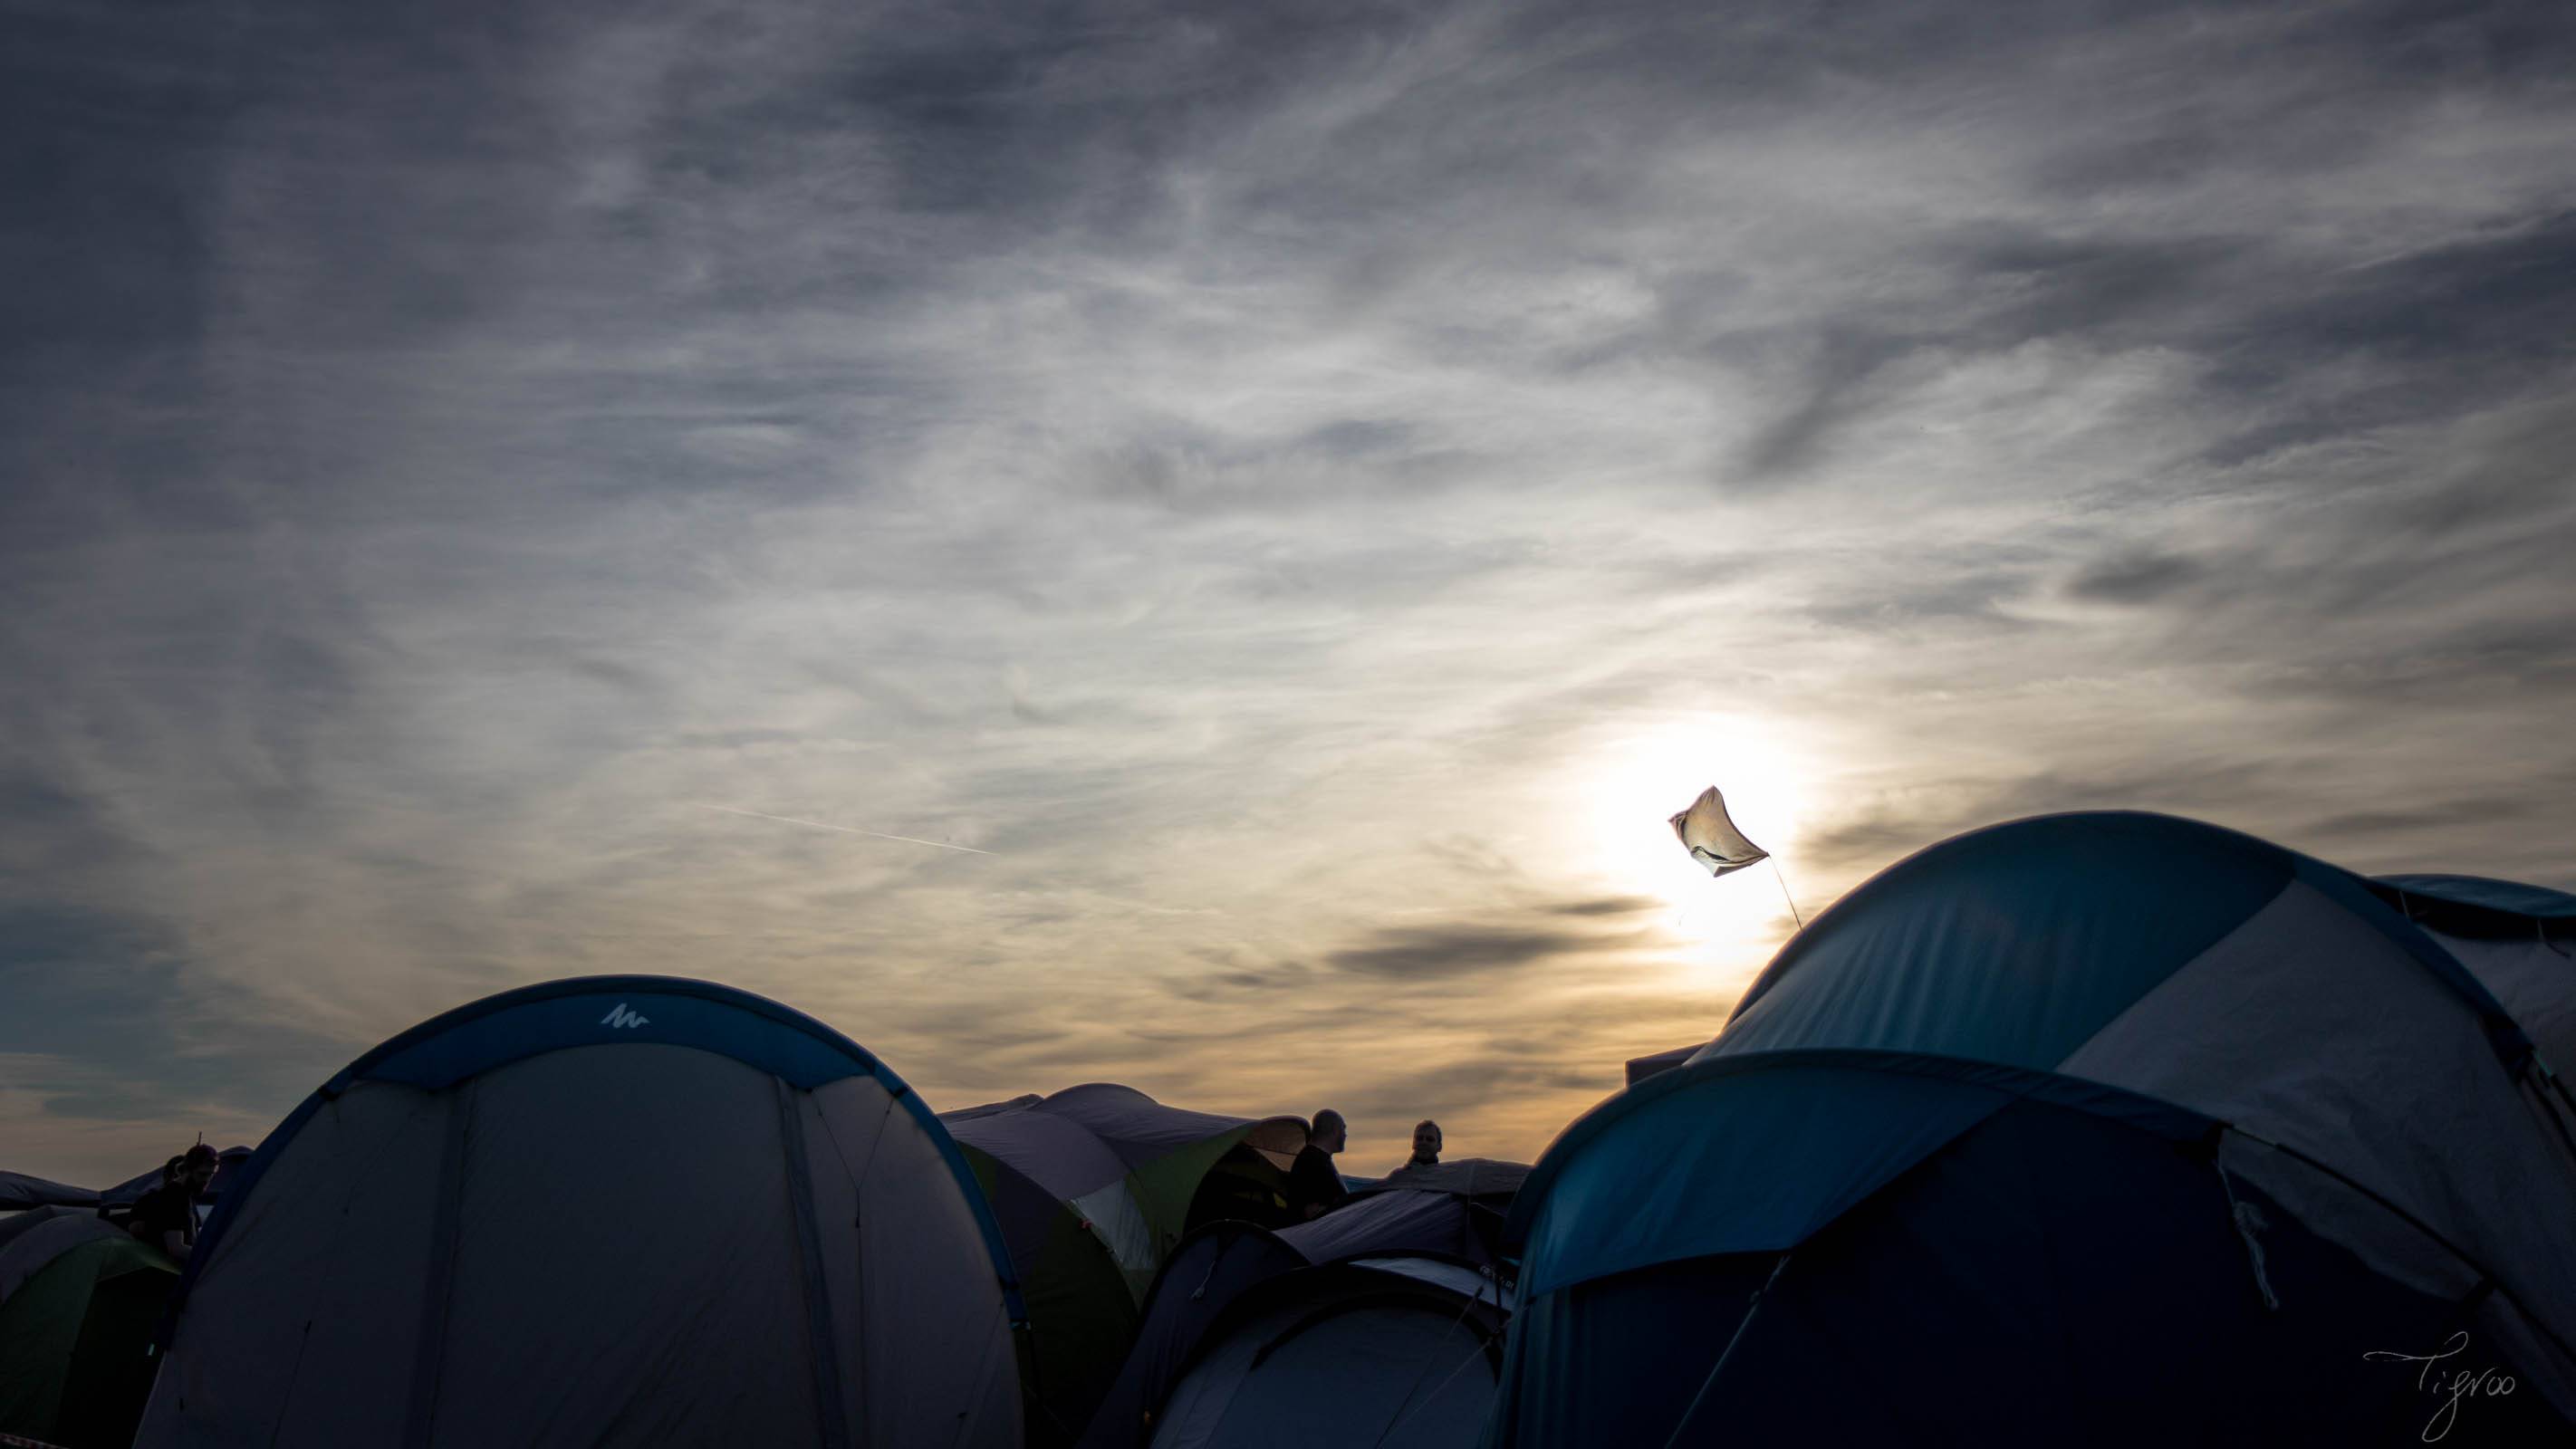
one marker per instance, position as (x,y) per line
(19,1192)
(1375,1324)
(1395,1352)
(614,1210)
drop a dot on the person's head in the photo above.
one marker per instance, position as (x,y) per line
(1331,1133)
(196,1166)
(1426,1141)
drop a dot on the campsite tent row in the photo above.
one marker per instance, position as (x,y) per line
(643,1209)
(2132,1102)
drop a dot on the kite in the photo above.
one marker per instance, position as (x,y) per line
(1712,837)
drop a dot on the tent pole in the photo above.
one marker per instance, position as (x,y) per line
(1752,1306)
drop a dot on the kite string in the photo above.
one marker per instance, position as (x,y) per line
(1784,892)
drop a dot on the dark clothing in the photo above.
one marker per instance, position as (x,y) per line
(1312,1182)
(165,1209)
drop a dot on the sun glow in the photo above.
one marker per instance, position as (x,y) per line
(1635,780)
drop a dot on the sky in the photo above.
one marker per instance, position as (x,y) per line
(1276,503)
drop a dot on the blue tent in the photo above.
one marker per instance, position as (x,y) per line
(2097,1128)
(612,1210)
(2518,940)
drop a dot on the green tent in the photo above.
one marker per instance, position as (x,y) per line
(76,1358)
(1092,1188)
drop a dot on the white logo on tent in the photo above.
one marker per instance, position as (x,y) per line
(619,1016)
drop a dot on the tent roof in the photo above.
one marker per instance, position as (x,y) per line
(1640,1068)
(1395,1220)
(1807,1136)
(1466,1176)
(2017,943)
(18,1191)
(26,1254)
(2476,905)
(1081,1139)
(585,1011)
(1341,1352)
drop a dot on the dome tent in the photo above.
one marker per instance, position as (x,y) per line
(605,1210)
(1092,1187)
(78,1301)
(2167,1127)
(1201,1372)
(1394,1352)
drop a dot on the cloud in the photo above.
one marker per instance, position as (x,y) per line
(2132,578)
(1608,906)
(1409,952)
(1252,471)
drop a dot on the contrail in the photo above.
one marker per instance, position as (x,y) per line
(847,829)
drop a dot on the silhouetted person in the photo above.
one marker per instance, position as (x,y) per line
(1426,1144)
(166,1217)
(1314,1185)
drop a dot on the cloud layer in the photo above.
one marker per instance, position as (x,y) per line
(1258,475)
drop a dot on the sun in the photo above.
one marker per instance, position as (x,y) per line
(1632,780)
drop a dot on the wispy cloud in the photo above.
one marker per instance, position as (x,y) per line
(845,829)
(1243,468)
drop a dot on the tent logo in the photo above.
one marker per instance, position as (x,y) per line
(619,1015)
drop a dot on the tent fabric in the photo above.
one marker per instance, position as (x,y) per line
(1484,1177)
(1416,1220)
(1479,1284)
(2053,1276)
(2536,981)
(13,1224)
(2346,1080)
(1438,1236)
(2469,905)
(1964,948)
(2284,1033)
(26,1252)
(1806,1136)
(1959,948)
(19,1192)
(1640,1068)
(1340,1355)
(1993,947)
(76,1334)
(1213,1267)
(1083,1145)
(562,1227)
(1091,1188)
(2518,940)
